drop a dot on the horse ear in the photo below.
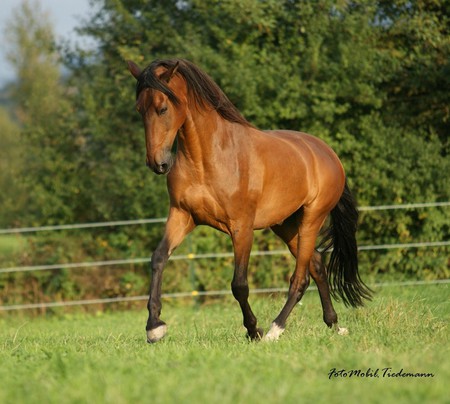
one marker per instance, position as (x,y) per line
(169,73)
(134,69)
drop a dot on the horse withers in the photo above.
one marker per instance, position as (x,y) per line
(229,175)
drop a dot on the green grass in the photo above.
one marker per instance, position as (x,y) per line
(205,357)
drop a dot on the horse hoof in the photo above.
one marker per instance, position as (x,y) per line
(257,336)
(274,333)
(156,334)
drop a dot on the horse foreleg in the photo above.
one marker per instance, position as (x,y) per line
(178,225)
(242,243)
(156,329)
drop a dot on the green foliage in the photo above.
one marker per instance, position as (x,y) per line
(370,78)
(11,163)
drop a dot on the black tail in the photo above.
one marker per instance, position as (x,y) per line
(343,275)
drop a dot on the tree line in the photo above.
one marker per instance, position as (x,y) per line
(371,78)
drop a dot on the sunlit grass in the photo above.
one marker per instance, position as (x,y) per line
(206,358)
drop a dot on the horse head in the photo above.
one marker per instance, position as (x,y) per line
(161,99)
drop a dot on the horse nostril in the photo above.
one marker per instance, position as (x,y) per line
(163,168)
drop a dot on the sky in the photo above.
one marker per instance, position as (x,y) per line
(64,14)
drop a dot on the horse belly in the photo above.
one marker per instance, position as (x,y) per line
(278,202)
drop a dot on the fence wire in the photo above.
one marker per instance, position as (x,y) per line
(192,294)
(195,256)
(163,219)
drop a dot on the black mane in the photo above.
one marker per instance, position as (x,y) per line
(201,88)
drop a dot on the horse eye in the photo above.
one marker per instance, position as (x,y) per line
(163,110)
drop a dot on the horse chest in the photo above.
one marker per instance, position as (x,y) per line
(205,207)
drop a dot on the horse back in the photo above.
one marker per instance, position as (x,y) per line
(300,170)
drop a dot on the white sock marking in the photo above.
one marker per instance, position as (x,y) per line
(274,333)
(342,330)
(156,334)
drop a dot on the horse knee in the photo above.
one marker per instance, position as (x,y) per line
(158,260)
(240,291)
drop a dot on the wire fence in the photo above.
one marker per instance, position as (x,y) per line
(192,256)
(163,219)
(82,225)
(193,294)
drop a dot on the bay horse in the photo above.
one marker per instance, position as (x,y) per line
(229,175)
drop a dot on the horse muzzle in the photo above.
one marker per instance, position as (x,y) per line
(161,167)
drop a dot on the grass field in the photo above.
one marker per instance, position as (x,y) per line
(205,357)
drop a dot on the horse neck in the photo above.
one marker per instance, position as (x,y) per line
(197,137)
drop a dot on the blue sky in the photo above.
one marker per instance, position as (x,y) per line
(64,14)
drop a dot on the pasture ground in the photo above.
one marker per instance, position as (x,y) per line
(103,358)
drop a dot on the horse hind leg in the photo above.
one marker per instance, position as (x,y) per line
(318,273)
(307,230)
(289,233)
(299,282)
